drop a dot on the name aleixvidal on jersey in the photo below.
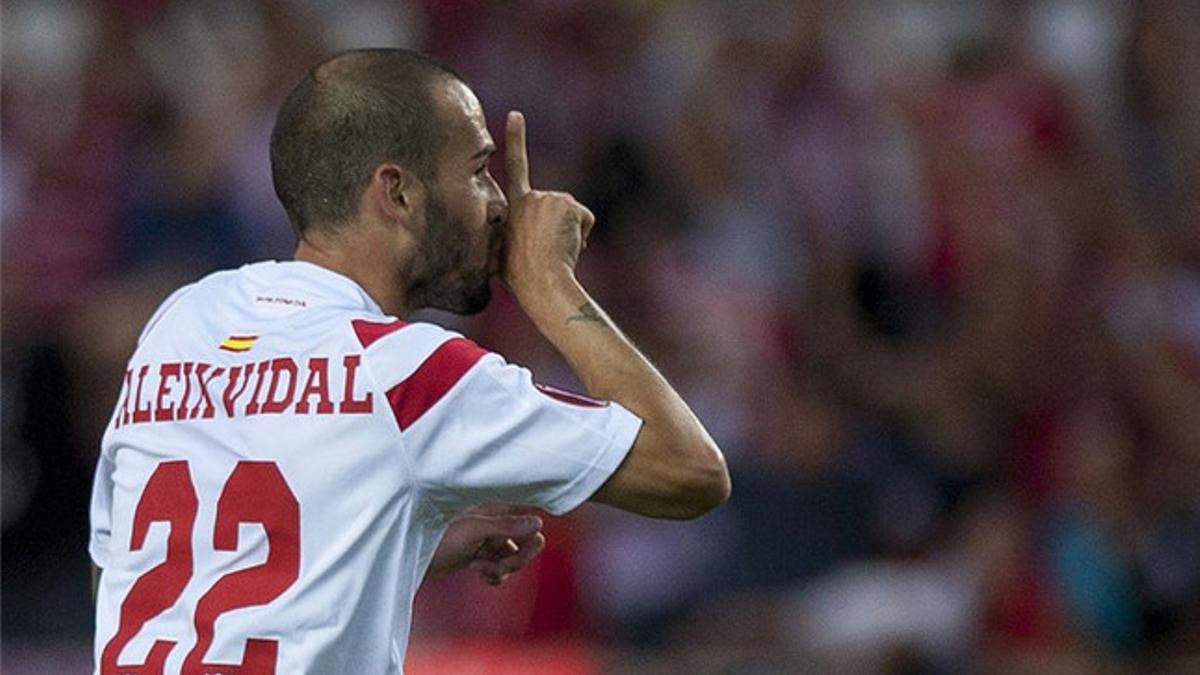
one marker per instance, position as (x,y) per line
(195,390)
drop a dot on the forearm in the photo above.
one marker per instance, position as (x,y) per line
(673,470)
(675,447)
(607,363)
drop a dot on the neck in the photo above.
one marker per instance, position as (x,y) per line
(366,263)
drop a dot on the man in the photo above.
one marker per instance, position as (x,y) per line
(286,454)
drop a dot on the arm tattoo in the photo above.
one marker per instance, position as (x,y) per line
(587,312)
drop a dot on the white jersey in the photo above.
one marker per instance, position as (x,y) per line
(283,461)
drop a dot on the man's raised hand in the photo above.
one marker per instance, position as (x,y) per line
(546,230)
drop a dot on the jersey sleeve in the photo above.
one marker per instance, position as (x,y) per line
(101,512)
(477,430)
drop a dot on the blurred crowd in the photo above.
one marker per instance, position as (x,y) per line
(929,271)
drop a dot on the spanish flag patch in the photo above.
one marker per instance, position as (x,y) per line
(238,343)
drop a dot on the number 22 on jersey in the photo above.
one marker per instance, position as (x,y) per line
(255,492)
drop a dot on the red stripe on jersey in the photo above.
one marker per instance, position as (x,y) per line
(370,331)
(570,397)
(430,382)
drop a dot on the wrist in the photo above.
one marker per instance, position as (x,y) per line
(545,288)
(551,300)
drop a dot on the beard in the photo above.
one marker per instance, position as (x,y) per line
(446,275)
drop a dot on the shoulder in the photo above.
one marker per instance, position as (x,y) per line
(173,300)
(181,295)
(417,364)
(398,350)
(384,334)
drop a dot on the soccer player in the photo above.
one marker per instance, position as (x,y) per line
(289,457)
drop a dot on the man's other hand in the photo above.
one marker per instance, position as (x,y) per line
(494,541)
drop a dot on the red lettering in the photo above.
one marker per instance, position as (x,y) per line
(348,404)
(275,397)
(163,412)
(318,383)
(169,496)
(205,399)
(252,406)
(123,407)
(181,413)
(278,366)
(140,415)
(256,492)
(230,396)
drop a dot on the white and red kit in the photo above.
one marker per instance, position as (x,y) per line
(283,461)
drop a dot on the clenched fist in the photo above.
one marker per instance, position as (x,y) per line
(546,230)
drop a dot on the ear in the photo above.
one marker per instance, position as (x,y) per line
(397,195)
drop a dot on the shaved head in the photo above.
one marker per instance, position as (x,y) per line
(349,114)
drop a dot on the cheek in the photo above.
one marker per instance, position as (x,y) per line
(469,206)
(475,216)
(479,206)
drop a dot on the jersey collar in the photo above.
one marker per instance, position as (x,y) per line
(327,283)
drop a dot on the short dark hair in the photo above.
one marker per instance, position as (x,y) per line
(350,113)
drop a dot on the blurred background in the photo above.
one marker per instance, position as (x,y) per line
(929,271)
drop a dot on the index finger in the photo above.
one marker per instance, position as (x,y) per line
(515,158)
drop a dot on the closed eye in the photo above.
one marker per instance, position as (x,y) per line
(483,157)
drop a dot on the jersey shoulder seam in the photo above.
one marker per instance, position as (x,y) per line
(446,335)
(423,497)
